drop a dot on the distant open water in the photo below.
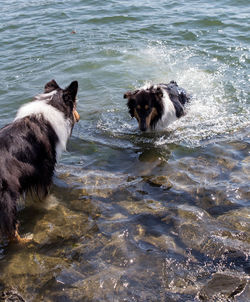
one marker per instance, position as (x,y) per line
(203,160)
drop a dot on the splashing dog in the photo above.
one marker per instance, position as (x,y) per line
(30,146)
(156,106)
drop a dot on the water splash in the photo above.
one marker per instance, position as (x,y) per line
(219,96)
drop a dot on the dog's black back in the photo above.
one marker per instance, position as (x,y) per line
(177,95)
(27,161)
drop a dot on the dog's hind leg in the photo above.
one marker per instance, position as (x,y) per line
(8,214)
(17,238)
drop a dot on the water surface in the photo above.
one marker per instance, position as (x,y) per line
(134,216)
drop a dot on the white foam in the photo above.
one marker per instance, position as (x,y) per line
(212,112)
(219,103)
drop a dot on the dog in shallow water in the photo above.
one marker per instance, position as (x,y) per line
(30,147)
(156,106)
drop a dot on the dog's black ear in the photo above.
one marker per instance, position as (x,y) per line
(50,86)
(128,94)
(72,89)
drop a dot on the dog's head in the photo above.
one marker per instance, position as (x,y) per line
(63,99)
(146,106)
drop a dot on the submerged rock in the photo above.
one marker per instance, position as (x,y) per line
(158,181)
(10,296)
(238,220)
(222,287)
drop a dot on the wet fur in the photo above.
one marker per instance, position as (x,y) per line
(156,106)
(30,147)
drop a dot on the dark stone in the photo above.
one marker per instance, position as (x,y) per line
(10,296)
(222,286)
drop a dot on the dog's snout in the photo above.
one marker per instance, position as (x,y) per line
(143,126)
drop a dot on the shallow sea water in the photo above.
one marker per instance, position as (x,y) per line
(134,216)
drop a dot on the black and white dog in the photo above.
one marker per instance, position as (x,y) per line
(30,147)
(156,106)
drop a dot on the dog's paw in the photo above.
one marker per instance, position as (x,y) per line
(21,240)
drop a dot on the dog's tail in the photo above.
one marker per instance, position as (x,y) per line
(8,211)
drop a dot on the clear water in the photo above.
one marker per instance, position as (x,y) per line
(132,216)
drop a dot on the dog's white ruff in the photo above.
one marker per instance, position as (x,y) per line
(61,126)
(169,113)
